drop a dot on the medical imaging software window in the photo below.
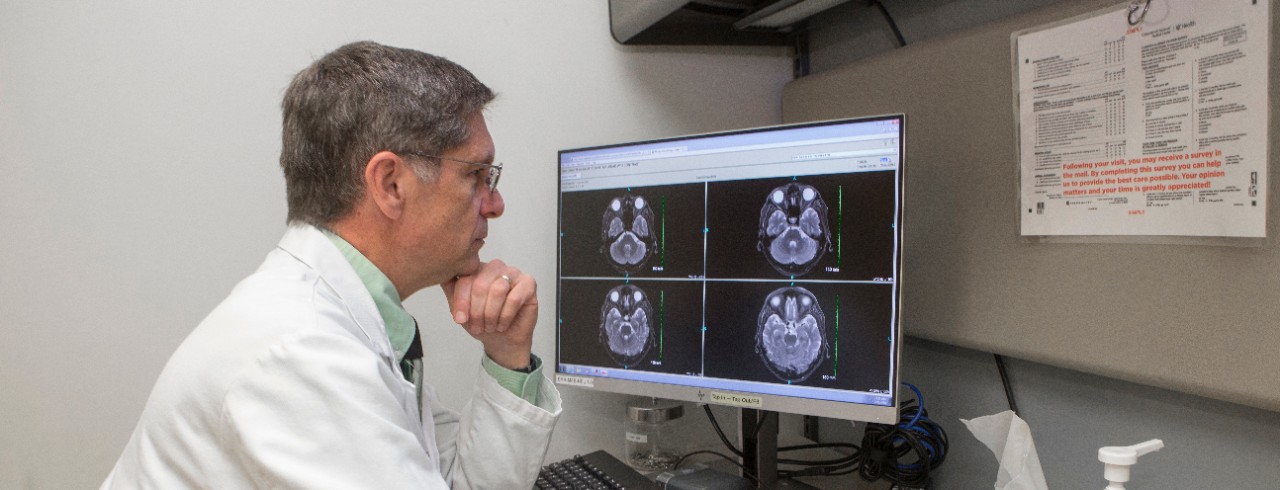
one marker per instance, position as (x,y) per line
(736,261)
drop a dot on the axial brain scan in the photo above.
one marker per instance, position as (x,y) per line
(626,324)
(793,228)
(791,334)
(628,234)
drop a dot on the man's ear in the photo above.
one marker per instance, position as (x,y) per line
(384,182)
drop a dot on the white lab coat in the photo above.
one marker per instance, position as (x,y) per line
(292,383)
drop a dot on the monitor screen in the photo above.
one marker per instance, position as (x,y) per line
(757,268)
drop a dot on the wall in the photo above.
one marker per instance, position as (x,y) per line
(970,271)
(139,141)
(1152,314)
(855,30)
(1208,443)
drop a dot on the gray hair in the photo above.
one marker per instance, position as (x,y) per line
(360,99)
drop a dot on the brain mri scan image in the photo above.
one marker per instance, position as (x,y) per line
(791,334)
(793,228)
(626,324)
(628,234)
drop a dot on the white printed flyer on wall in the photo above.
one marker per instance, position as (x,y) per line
(1147,120)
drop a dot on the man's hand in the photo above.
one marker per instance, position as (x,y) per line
(498,305)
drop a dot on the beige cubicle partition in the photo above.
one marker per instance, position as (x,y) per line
(1202,319)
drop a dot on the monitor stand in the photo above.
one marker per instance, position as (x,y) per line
(758,431)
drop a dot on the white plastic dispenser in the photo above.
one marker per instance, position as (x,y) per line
(1118,459)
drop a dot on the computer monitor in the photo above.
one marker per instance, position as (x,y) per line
(758,268)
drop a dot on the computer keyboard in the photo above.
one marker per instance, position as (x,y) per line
(594,471)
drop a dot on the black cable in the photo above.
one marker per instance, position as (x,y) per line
(904,453)
(760,423)
(716,9)
(1008,389)
(892,24)
(726,457)
(829,465)
(838,463)
(720,433)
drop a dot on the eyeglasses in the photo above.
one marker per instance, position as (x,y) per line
(494,170)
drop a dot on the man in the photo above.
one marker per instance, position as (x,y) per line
(305,376)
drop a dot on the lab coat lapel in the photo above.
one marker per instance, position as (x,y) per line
(310,246)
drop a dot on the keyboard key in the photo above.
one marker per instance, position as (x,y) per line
(595,471)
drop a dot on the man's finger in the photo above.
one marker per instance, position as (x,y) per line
(498,296)
(458,293)
(520,291)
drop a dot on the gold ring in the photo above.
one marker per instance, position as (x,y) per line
(507,278)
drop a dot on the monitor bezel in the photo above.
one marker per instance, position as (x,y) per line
(745,399)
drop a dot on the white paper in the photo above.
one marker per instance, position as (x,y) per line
(1009,437)
(1153,129)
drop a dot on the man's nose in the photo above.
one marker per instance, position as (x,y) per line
(493,205)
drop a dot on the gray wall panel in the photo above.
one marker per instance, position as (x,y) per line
(1191,318)
(1208,443)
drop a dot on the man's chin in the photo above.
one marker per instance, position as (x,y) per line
(471,266)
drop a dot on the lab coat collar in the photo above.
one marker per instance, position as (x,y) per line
(311,247)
